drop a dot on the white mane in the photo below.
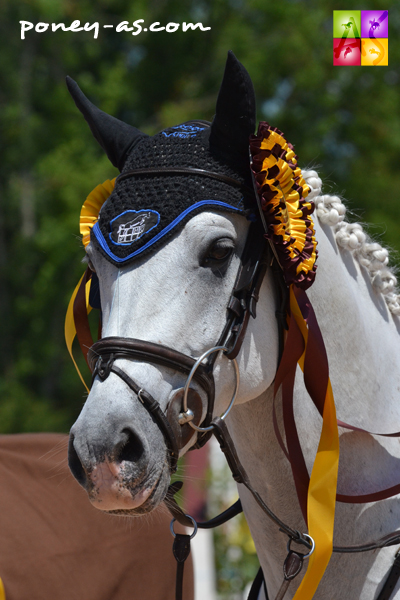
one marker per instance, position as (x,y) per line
(330,210)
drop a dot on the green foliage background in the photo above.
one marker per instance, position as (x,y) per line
(344,119)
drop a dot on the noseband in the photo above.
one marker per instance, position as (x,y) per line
(242,304)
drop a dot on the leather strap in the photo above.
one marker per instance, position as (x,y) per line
(151,405)
(385,593)
(392,579)
(256,586)
(391,539)
(225,516)
(131,348)
(181,551)
(240,476)
(110,348)
(186,171)
(291,568)
(155,410)
(245,295)
(181,517)
(242,305)
(293,350)
(174,507)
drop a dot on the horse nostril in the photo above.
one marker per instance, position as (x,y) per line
(75,464)
(130,448)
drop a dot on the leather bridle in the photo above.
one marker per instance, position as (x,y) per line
(175,424)
(242,304)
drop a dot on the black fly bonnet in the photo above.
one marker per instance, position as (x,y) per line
(168,178)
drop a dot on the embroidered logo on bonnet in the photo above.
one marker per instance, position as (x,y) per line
(129,226)
(183,131)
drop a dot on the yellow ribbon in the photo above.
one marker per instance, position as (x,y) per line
(88,217)
(70,329)
(321,497)
(91,208)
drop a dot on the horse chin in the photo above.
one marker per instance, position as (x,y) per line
(112,490)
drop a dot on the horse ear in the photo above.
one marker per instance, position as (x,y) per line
(114,136)
(235,117)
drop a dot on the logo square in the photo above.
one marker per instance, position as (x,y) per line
(374,23)
(374,52)
(346,52)
(347,23)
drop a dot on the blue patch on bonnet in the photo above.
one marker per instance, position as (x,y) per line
(184,131)
(100,238)
(131,225)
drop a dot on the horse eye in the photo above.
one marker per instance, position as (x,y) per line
(219,252)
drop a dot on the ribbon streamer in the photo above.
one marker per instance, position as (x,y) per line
(76,322)
(304,346)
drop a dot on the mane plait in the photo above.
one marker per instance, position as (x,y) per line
(282,192)
(352,237)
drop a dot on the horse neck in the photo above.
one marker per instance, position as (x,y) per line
(361,339)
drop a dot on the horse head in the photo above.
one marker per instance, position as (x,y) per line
(197,250)
(169,250)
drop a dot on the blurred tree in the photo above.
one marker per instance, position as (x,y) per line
(344,119)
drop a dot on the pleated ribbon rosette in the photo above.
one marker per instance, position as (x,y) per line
(282,200)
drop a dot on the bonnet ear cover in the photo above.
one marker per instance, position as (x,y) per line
(115,137)
(235,117)
(151,201)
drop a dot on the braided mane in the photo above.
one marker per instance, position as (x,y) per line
(331,211)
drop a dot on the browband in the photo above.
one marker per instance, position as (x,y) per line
(187,171)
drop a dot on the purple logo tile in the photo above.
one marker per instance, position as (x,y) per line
(374,23)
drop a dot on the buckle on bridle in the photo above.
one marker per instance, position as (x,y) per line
(103,368)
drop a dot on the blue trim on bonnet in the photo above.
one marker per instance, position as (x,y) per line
(100,238)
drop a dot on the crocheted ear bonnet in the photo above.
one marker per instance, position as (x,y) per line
(168,178)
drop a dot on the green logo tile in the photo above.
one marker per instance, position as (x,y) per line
(347,23)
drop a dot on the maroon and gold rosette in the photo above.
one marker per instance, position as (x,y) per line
(282,193)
